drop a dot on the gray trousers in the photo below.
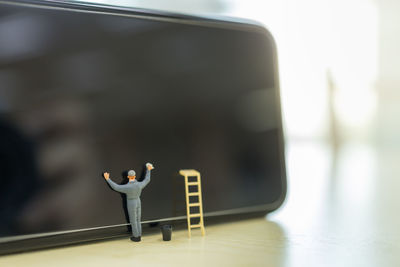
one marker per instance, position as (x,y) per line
(135,213)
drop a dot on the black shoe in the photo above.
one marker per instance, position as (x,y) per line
(136,239)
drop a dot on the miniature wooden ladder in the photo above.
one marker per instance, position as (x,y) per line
(187,174)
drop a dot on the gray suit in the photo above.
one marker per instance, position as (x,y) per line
(132,190)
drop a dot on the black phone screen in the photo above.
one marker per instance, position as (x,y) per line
(86,92)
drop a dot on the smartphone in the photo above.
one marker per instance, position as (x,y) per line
(88,88)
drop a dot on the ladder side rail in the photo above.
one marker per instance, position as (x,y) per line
(187,205)
(201,206)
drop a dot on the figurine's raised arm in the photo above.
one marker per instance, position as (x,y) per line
(116,187)
(146,180)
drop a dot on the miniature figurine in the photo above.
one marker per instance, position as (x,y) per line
(132,190)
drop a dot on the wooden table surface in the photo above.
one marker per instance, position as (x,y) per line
(342,210)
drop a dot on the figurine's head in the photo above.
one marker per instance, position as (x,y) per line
(131,175)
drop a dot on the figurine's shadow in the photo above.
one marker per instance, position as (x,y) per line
(123,199)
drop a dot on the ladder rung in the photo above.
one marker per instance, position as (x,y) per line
(195,215)
(195,225)
(194,194)
(194,204)
(189,173)
(193,183)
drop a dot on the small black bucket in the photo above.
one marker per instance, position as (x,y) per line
(166,232)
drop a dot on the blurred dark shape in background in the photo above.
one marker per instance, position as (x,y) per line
(96,92)
(19,176)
